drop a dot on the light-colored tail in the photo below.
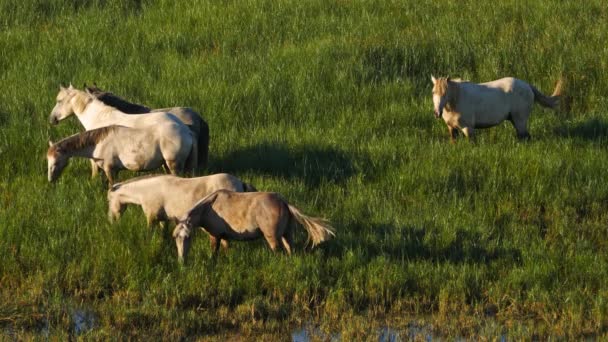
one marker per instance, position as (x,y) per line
(549,101)
(318,229)
(192,160)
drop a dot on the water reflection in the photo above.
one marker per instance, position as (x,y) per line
(306,334)
(84,321)
(389,335)
(309,332)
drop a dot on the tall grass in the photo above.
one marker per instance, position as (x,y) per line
(328,103)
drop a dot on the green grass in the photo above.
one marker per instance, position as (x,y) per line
(328,103)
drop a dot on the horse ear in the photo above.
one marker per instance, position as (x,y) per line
(448,78)
(71,87)
(433,79)
(61,87)
(50,143)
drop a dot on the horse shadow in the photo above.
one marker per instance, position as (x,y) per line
(313,165)
(3,118)
(466,247)
(594,129)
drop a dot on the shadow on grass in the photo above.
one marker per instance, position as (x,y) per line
(420,244)
(312,164)
(3,119)
(591,130)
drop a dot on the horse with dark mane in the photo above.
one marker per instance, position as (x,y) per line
(188,116)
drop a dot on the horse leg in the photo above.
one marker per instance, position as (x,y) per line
(521,127)
(175,167)
(273,242)
(150,219)
(286,244)
(166,168)
(215,244)
(453,134)
(469,133)
(287,238)
(94,168)
(111,174)
(172,166)
(224,244)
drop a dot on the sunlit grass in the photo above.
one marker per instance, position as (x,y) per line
(328,103)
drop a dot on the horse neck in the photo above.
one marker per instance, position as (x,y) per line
(84,152)
(125,195)
(97,114)
(454,97)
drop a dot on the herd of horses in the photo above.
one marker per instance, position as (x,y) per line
(121,135)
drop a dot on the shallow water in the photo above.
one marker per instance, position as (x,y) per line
(84,321)
(385,334)
(307,332)
(388,334)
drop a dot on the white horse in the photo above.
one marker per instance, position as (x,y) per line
(467,106)
(165,198)
(92,113)
(187,115)
(114,148)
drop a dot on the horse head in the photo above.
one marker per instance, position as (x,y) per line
(69,101)
(115,206)
(441,94)
(182,235)
(56,162)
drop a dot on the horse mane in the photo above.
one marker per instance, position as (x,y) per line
(117,102)
(81,100)
(82,140)
(135,179)
(454,95)
(444,84)
(203,204)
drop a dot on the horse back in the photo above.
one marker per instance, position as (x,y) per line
(186,115)
(247,210)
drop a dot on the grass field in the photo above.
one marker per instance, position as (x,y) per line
(328,103)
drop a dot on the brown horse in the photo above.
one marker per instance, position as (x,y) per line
(232,215)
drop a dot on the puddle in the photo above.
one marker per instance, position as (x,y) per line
(306,334)
(84,321)
(417,331)
(389,335)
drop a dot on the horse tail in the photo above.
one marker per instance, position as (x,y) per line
(203,144)
(549,101)
(318,229)
(192,160)
(249,188)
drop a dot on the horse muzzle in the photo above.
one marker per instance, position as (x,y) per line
(437,114)
(53,120)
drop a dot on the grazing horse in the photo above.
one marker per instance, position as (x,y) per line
(467,106)
(188,116)
(93,113)
(167,198)
(246,216)
(117,147)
